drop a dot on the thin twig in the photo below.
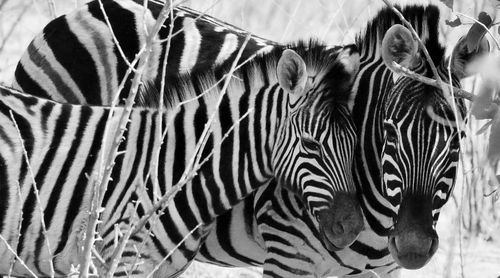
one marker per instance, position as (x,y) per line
(188,172)
(157,266)
(422,47)
(117,254)
(458,92)
(136,83)
(17,257)
(3,4)
(19,226)
(13,27)
(52,9)
(99,258)
(290,20)
(117,43)
(37,194)
(158,135)
(207,158)
(202,14)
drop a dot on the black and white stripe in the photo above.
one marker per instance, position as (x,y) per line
(204,43)
(405,167)
(76,60)
(290,136)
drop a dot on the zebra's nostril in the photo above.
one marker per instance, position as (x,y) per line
(338,228)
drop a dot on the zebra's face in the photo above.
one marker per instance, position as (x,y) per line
(421,146)
(419,163)
(314,151)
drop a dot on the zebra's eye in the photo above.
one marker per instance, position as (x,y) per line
(390,133)
(455,144)
(311,145)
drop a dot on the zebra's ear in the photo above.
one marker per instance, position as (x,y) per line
(292,74)
(462,56)
(399,46)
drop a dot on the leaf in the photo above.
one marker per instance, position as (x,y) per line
(483,106)
(455,23)
(448,3)
(484,128)
(477,31)
(494,142)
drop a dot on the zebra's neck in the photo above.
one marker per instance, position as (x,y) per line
(64,145)
(245,121)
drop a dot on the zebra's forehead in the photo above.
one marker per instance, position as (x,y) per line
(409,94)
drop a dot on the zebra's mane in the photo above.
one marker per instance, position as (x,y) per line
(425,19)
(320,59)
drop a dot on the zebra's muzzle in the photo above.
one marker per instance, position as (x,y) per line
(413,255)
(340,225)
(413,241)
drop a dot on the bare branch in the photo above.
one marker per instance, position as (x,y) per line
(3,3)
(202,14)
(458,92)
(104,177)
(13,26)
(189,174)
(19,225)
(17,257)
(172,251)
(52,9)
(115,39)
(424,50)
(37,194)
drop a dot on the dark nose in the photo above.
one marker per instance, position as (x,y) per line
(414,241)
(412,249)
(341,224)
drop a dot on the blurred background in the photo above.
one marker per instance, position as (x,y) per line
(469,226)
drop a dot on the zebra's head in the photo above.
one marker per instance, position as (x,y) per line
(421,146)
(313,153)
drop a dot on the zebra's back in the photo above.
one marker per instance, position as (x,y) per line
(76,59)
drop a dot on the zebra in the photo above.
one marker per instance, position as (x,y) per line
(408,135)
(299,134)
(218,44)
(76,60)
(372,89)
